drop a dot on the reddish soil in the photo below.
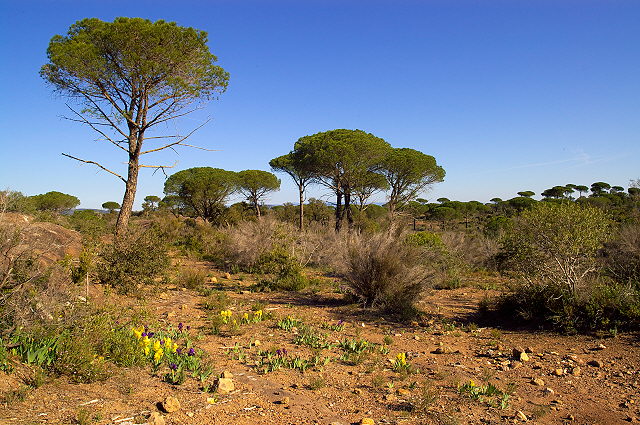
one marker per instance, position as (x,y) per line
(607,393)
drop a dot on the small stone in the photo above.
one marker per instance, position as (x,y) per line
(183,307)
(549,391)
(520,354)
(171,314)
(537,382)
(227,374)
(190,414)
(257,343)
(213,279)
(557,372)
(285,400)
(528,350)
(403,392)
(520,415)
(367,421)
(576,371)
(389,397)
(156,419)
(163,296)
(631,419)
(171,404)
(417,338)
(570,417)
(357,391)
(227,276)
(442,350)
(225,385)
(600,347)
(595,363)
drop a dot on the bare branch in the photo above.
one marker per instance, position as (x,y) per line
(96,164)
(90,124)
(160,167)
(179,142)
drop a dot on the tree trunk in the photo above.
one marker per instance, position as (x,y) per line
(301,210)
(338,210)
(347,208)
(122,224)
(257,209)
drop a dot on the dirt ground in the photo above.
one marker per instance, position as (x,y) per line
(566,379)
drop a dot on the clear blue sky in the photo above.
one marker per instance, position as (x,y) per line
(506,95)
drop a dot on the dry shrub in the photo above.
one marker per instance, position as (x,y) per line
(250,240)
(31,290)
(382,270)
(621,256)
(472,249)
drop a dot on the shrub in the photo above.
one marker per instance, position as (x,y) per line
(283,271)
(556,244)
(621,256)
(191,278)
(383,271)
(133,261)
(552,250)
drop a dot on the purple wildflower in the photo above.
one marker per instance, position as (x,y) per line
(179,351)
(192,352)
(150,334)
(146,329)
(340,322)
(173,366)
(188,327)
(144,334)
(162,342)
(180,326)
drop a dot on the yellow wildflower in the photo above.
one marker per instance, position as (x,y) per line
(168,342)
(401,358)
(156,346)
(158,355)
(174,348)
(246,316)
(146,350)
(137,332)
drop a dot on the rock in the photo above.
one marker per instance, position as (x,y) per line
(416,337)
(367,421)
(225,385)
(600,347)
(389,397)
(537,382)
(557,372)
(171,404)
(403,392)
(213,279)
(520,354)
(285,400)
(570,417)
(257,343)
(595,363)
(156,419)
(357,391)
(576,371)
(183,307)
(631,419)
(211,400)
(163,296)
(521,416)
(442,350)
(227,374)
(171,314)
(528,350)
(227,276)
(549,391)
(190,414)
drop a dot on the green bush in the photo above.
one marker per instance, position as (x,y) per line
(552,252)
(283,271)
(77,358)
(427,240)
(133,261)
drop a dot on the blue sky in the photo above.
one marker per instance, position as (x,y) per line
(506,95)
